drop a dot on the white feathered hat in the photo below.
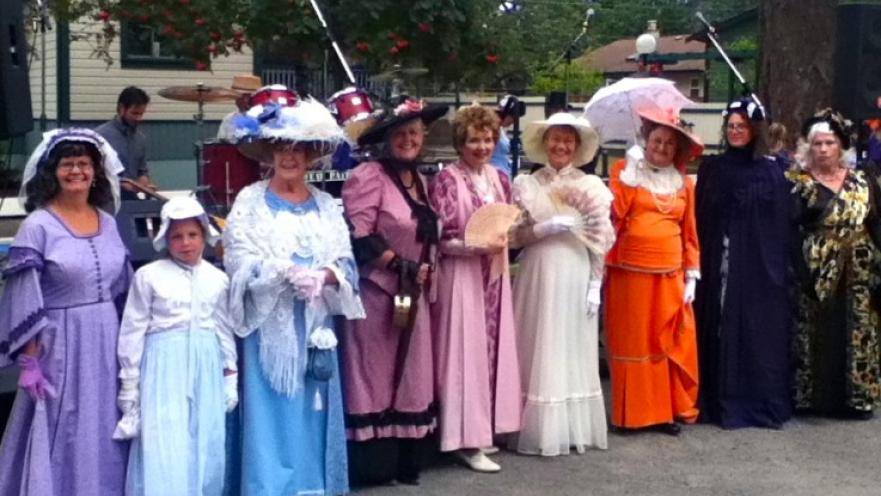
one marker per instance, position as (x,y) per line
(308,121)
(533,138)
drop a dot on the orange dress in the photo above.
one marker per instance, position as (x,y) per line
(650,332)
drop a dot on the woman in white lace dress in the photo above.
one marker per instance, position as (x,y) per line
(565,233)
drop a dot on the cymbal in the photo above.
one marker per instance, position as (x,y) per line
(198,93)
(398,73)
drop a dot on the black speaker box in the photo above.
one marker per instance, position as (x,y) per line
(16,115)
(858,61)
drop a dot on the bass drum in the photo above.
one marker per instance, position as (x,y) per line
(225,171)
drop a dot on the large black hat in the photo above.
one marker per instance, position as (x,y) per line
(840,126)
(403,113)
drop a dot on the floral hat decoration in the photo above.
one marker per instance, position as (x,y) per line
(265,125)
(409,110)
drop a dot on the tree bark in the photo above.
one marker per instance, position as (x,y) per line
(797,42)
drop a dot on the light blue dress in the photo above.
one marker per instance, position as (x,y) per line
(292,446)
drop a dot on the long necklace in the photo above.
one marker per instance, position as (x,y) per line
(664,203)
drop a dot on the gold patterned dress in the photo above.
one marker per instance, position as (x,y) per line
(837,351)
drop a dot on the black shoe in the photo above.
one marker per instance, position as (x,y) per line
(671,429)
(857,414)
(409,480)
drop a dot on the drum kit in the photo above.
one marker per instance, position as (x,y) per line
(222,169)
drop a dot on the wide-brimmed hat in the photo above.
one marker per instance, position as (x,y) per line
(262,127)
(533,138)
(408,111)
(180,208)
(671,119)
(841,127)
(245,84)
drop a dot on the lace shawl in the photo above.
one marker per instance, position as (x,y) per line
(259,246)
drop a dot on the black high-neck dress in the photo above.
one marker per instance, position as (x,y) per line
(742,303)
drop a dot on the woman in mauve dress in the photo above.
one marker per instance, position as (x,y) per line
(67,275)
(477,377)
(388,369)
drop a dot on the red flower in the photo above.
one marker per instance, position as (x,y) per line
(239,35)
(201,66)
(103,16)
(402,44)
(492,58)
(167,29)
(215,36)
(212,50)
(363,46)
(144,18)
(424,27)
(393,50)
(200,22)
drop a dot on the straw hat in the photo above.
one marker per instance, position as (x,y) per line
(533,138)
(672,120)
(246,83)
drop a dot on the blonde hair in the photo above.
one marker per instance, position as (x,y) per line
(474,116)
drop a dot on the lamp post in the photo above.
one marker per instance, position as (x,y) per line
(646,45)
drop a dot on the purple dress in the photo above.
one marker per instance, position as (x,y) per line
(63,287)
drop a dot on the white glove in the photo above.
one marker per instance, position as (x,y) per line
(307,283)
(593,298)
(555,225)
(231,391)
(129,426)
(690,285)
(129,395)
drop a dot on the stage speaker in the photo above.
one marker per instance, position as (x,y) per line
(858,61)
(16,115)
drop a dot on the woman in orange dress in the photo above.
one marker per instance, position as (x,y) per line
(652,271)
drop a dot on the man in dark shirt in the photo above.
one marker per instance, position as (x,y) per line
(124,136)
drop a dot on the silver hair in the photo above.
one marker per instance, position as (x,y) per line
(803,158)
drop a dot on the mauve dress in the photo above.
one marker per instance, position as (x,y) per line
(64,288)
(388,373)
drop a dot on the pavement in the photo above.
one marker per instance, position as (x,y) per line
(809,456)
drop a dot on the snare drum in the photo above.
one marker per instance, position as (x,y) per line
(225,171)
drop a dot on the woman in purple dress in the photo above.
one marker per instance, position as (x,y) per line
(59,319)
(388,370)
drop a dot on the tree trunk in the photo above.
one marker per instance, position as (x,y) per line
(797,72)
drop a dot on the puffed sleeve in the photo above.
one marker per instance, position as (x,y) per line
(135,322)
(224,326)
(690,245)
(362,196)
(443,195)
(22,312)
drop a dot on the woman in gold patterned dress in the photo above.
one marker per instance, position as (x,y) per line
(836,344)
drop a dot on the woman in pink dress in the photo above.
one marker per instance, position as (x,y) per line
(477,376)
(388,371)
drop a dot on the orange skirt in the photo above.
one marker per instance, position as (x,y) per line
(652,349)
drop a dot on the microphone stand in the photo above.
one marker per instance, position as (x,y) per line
(336,47)
(712,36)
(567,54)
(515,147)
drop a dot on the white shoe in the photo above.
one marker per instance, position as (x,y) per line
(478,461)
(492,450)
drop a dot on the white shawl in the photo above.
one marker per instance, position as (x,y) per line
(258,248)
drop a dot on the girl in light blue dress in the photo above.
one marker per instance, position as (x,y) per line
(177,362)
